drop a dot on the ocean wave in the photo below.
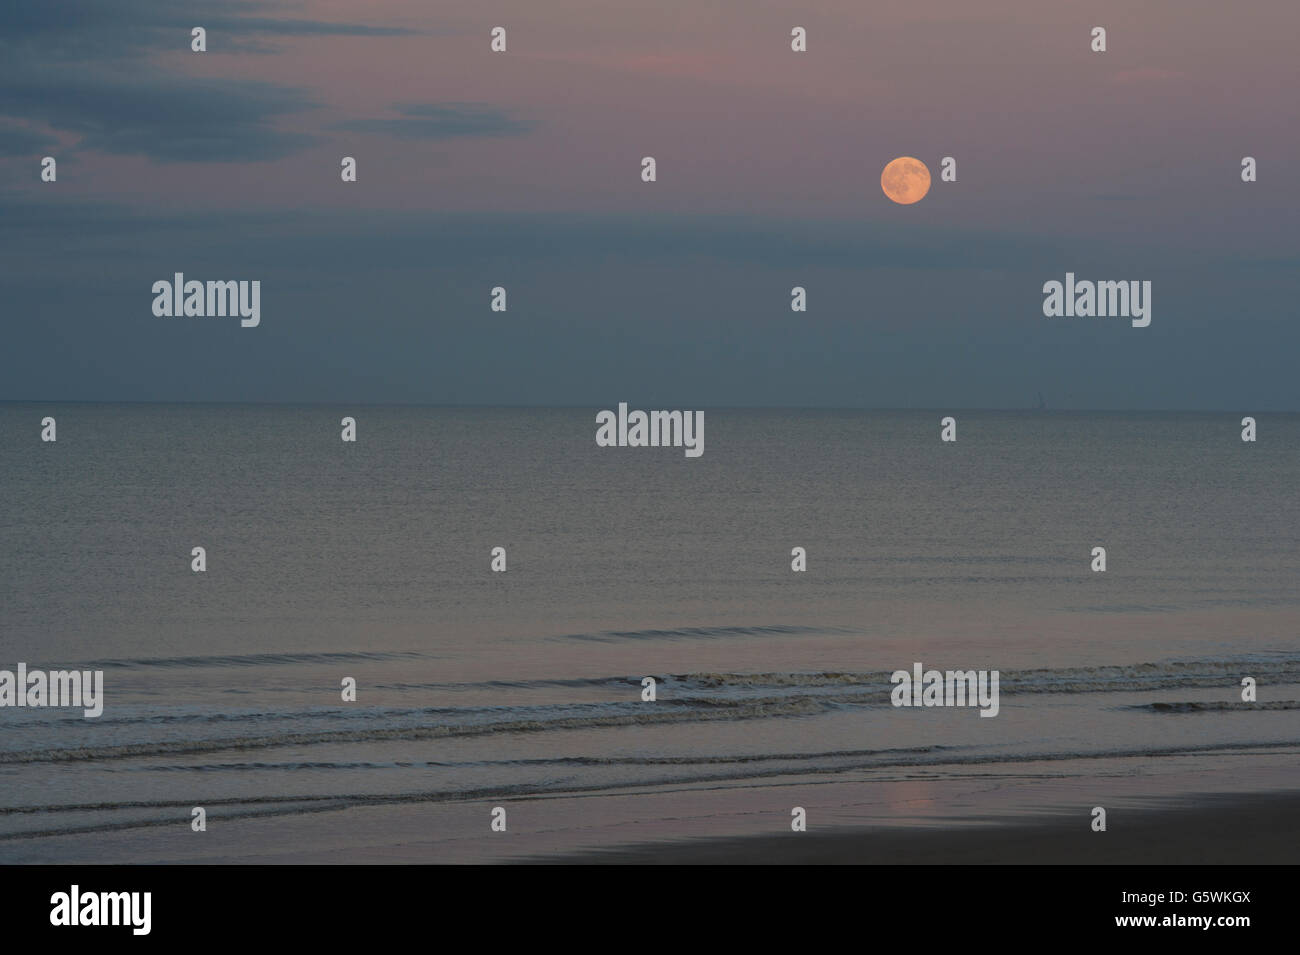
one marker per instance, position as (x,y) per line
(695,632)
(683,698)
(627,714)
(1163,675)
(1216,706)
(814,764)
(249,659)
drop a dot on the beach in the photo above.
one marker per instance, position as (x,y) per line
(1213,831)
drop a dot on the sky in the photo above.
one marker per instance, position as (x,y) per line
(522,169)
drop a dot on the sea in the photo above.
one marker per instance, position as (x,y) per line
(502,715)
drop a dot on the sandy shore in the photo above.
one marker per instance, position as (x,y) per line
(1199,818)
(1217,830)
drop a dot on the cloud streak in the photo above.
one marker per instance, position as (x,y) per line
(74,65)
(84,30)
(182,120)
(21,141)
(441,121)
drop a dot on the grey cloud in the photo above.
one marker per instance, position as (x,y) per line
(441,121)
(98,30)
(180,120)
(21,141)
(394,307)
(388,240)
(76,66)
(298,27)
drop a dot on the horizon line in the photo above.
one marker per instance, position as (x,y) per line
(1028,409)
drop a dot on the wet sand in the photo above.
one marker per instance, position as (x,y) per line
(1219,830)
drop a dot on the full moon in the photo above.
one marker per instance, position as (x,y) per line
(905,180)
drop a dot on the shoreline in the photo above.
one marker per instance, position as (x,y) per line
(1201,828)
(1220,829)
